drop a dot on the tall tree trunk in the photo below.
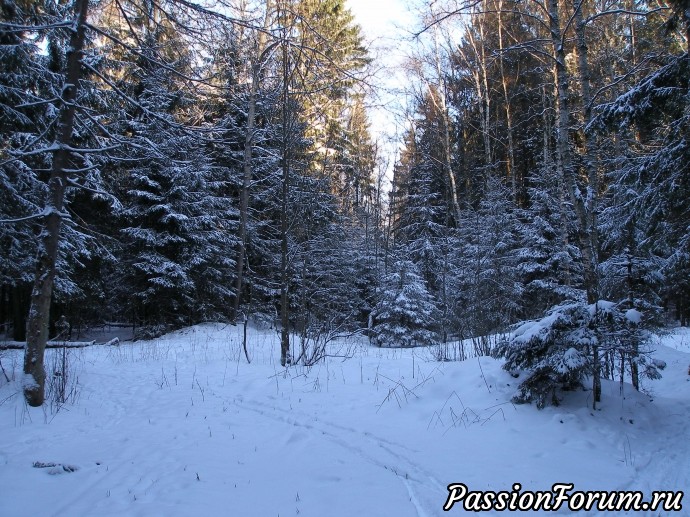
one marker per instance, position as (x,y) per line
(564,152)
(257,61)
(588,143)
(509,113)
(481,84)
(554,169)
(634,345)
(581,204)
(445,123)
(590,238)
(39,312)
(284,293)
(488,147)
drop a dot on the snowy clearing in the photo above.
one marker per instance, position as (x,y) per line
(183,426)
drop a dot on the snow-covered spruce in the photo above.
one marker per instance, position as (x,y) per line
(405,314)
(556,351)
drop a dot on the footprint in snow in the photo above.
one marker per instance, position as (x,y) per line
(55,468)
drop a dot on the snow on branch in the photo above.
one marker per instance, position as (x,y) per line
(48,211)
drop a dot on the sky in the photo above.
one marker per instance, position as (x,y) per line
(386,25)
(380,17)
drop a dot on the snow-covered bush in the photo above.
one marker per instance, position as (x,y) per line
(558,351)
(404,315)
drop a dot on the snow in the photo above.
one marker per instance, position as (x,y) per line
(531,329)
(27,381)
(572,359)
(633,316)
(182,425)
(601,306)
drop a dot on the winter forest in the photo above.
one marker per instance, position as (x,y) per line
(218,273)
(169,163)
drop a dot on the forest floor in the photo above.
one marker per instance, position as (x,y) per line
(182,426)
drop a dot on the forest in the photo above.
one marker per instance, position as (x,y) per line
(165,163)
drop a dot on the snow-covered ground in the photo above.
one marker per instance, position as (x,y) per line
(183,426)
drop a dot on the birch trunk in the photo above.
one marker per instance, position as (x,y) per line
(442,106)
(582,206)
(481,85)
(591,236)
(590,158)
(509,114)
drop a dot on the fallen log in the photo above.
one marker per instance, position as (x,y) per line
(21,345)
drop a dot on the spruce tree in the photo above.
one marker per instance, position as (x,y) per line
(405,315)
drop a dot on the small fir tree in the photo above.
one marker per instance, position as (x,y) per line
(557,350)
(405,313)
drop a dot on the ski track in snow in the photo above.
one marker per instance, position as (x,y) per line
(152,438)
(410,474)
(668,466)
